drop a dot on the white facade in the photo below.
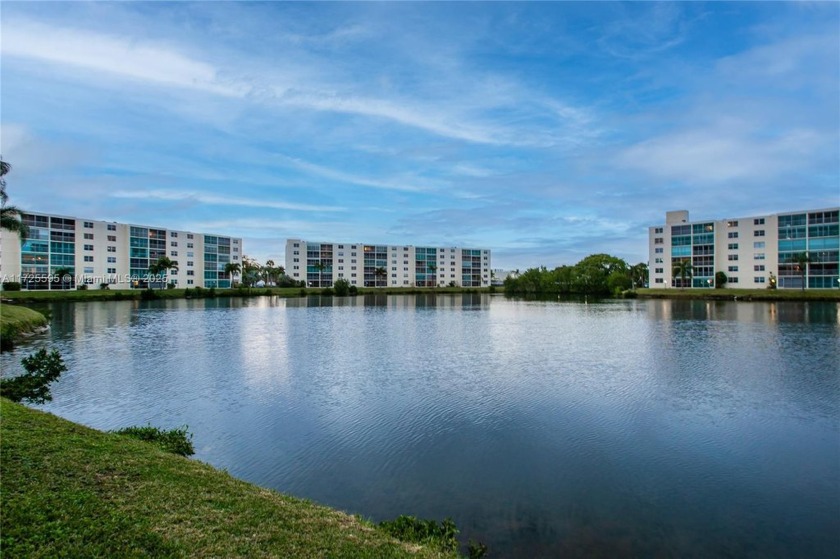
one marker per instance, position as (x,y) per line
(117,254)
(751,251)
(368,265)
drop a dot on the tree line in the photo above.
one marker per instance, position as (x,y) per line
(597,274)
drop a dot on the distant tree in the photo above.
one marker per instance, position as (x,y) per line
(162,267)
(639,274)
(233,269)
(341,287)
(720,280)
(802,261)
(380,273)
(683,269)
(320,267)
(10,216)
(62,273)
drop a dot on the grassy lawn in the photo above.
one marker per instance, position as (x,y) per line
(16,320)
(71,491)
(743,294)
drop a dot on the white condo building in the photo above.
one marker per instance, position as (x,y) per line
(102,252)
(748,250)
(320,264)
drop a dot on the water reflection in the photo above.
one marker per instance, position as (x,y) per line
(544,428)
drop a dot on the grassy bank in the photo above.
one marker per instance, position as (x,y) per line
(16,320)
(742,294)
(137,294)
(70,491)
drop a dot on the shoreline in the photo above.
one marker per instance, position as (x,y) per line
(17,322)
(763,295)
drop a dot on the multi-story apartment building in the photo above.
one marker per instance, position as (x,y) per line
(369,265)
(751,251)
(117,254)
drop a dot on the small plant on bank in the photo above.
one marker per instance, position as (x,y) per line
(177,441)
(42,368)
(341,287)
(427,532)
(11,286)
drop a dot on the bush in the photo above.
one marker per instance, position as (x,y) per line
(149,295)
(170,285)
(427,532)
(42,368)
(342,287)
(353,290)
(81,287)
(211,292)
(176,441)
(11,286)
(327,292)
(104,286)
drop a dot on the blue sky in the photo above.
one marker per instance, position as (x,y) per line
(544,131)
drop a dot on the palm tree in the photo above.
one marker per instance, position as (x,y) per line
(62,273)
(268,271)
(802,260)
(320,266)
(10,216)
(162,267)
(432,269)
(683,268)
(380,273)
(233,269)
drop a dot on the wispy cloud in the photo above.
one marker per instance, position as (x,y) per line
(219,200)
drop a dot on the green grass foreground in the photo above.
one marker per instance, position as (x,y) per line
(70,491)
(16,320)
(742,294)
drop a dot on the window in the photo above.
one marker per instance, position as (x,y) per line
(732,224)
(88,269)
(112,260)
(88,225)
(732,280)
(758,279)
(173,253)
(733,268)
(732,257)
(190,263)
(758,267)
(190,254)
(89,236)
(112,238)
(88,258)
(657,241)
(733,246)
(758,233)
(759,221)
(88,247)
(112,270)
(658,250)
(658,230)
(190,245)
(173,244)
(659,261)
(112,227)
(112,249)
(189,282)
(190,272)
(658,280)
(173,234)
(733,235)
(758,256)
(189,235)
(658,270)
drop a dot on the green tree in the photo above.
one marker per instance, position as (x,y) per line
(62,273)
(593,272)
(639,274)
(42,368)
(432,270)
(381,274)
(162,267)
(803,260)
(320,267)
(683,269)
(720,280)
(10,216)
(233,269)
(342,287)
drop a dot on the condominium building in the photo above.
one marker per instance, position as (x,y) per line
(786,248)
(369,265)
(98,253)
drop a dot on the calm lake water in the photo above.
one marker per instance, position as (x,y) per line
(544,429)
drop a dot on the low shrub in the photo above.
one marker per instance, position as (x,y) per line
(327,292)
(149,295)
(11,286)
(353,290)
(441,535)
(104,286)
(211,292)
(177,441)
(342,287)
(81,287)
